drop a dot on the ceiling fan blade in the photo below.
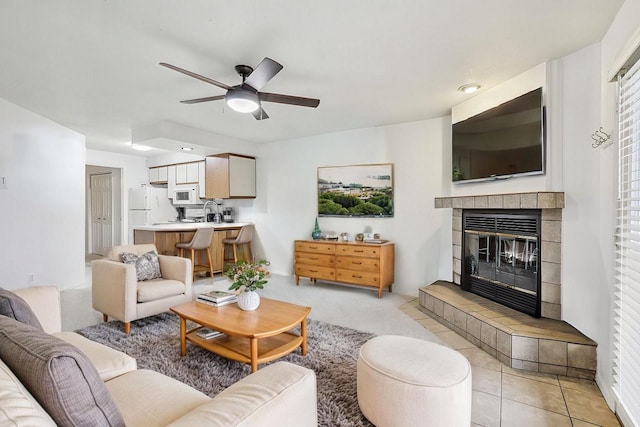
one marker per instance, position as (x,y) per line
(196,76)
(266,69)
(206,99)
(288,99)
(260,114)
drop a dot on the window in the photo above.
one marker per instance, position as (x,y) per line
(626,337)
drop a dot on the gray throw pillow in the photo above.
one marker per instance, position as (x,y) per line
(147,264)
(11,305)
(58,375)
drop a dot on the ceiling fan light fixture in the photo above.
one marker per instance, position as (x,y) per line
(242,101)
(469,88)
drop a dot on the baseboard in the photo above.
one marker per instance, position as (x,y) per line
(612,400)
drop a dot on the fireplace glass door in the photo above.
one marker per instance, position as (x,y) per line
(500,258)
(517,264)
(507,259)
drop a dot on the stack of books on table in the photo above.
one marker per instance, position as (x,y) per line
(208,334)
(217,298)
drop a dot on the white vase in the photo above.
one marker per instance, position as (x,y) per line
(248,300)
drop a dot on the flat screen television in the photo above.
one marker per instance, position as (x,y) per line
(502,142)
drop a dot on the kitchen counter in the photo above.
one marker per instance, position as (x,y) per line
(189,226)
(165,235)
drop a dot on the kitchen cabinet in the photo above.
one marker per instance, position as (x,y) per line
(366,264)
(187,173)
(202,182)
(158,175)
(171,180)
(230,176)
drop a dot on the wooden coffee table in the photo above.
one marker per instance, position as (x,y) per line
(251,337)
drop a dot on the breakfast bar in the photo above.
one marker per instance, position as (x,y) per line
(166,235)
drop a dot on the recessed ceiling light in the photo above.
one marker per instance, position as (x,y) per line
(187,148)
(469,88)
(141,147)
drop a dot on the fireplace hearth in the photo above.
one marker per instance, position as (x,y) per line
(501,249)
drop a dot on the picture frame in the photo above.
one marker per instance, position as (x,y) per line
(356,191)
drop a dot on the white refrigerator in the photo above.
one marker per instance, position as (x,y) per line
(149,205)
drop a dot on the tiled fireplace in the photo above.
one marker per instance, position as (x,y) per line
(550,205)
(519,340)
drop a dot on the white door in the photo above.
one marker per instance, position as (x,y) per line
(101,214)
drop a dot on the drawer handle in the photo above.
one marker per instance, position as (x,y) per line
(313,247)
(313,271)
(356,276)
(356,262)
(313,258)
(358,251)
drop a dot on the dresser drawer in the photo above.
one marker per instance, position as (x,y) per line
(320,248)
(315,259)
(359,250)
(315,272)
(360,264)
(358,277)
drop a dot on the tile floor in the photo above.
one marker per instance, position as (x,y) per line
(506,397)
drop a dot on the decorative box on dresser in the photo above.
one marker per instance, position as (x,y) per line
(366,264)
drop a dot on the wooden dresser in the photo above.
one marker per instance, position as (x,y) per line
(367,264)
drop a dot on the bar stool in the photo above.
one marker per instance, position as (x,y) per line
(201,241)
(243,239)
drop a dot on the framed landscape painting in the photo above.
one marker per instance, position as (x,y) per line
(356,191)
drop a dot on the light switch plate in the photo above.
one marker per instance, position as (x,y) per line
(3,183)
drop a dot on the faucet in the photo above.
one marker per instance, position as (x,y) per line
(204,208)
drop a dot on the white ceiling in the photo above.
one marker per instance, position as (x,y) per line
(92,65)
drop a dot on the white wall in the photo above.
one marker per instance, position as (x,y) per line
(42,211)
(134,174)
(586,249)
(529,80)
(286,205)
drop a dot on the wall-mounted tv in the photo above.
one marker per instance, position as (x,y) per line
(502,142)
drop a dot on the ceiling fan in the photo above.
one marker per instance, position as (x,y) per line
(246,97)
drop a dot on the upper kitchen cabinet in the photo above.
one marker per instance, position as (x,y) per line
(187,173)
(158,175)
(230,176)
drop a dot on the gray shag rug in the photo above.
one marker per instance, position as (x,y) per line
(332,354)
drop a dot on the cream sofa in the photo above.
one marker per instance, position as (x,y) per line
(280,394)
(116,292)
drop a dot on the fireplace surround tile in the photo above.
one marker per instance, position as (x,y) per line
(551,292)
(581,356)
(553,352)
(511,201)
(496,202)
(481,202)
(550,310)
(488,335)
(551,251)
(524,348)
(474,326)
(550,271)
(552,230)
(519,341)
(529,201)
(503,342)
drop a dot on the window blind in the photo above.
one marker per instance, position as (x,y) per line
(626,316)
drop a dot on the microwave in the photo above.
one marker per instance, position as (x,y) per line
(186,195)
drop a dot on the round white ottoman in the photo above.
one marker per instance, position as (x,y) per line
(406,382)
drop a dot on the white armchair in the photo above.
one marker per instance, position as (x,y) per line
(117,293)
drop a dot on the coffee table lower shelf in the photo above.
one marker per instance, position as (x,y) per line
(241,349)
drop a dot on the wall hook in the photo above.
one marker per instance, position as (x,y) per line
(599,137)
